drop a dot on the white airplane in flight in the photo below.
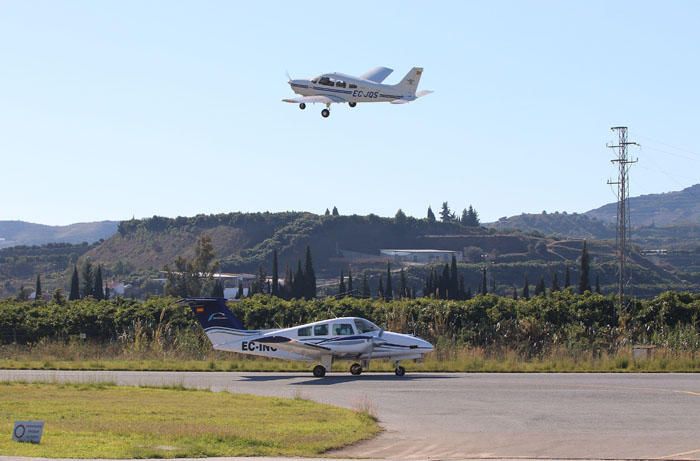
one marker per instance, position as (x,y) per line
(345,338)
(340,88)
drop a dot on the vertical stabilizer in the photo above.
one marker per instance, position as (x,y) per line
(409,83)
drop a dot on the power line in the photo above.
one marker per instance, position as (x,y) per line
(623,235)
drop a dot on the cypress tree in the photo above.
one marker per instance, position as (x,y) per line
(584,280)
(431,215)
(74,285)
(380,290)
(526,289)
(515,293)
(298,284)
(567,278)
(484,290)
(287,289)
(275,274)
(597,283)
(107,293)
(403,285)
(454,279)
(309,277)
(469,293)
(366,293)
(335,212)
(350,288)
(239,292)
(37,289)
(218,289)
(98,290)
(555,283)
(389,293)
(327,213)
(88,280)
(444,284)
(341,286)
(461,294)
(540,289)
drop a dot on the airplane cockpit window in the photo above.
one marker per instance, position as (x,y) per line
(342,329)
(365,326)
(321,330)
(304,331)
(340,83)
(325,81)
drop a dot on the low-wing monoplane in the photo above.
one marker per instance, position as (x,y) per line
(345,338)
(336,88)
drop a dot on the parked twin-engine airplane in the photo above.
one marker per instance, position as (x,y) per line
(345,338)
(340,88)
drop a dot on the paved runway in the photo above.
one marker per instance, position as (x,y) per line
(453,416)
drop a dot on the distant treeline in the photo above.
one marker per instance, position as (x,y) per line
(562,320)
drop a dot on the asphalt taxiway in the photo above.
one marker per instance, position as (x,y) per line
(458,416)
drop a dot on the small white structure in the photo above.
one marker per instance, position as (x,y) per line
(421,256)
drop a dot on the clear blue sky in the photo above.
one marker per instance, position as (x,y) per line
(110,110)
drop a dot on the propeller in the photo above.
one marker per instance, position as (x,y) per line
(289,79)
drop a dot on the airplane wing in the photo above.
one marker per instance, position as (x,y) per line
(377,75)
(315,99)
(292,345)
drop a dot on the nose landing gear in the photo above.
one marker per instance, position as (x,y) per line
(325,113)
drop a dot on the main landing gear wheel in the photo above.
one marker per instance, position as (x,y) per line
(302,106)
(356,369)
(400,371)
(319,371)
(352,104)
(325,113)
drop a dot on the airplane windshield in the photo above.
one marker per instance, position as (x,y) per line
(365,326)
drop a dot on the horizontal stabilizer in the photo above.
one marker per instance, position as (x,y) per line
(377,75)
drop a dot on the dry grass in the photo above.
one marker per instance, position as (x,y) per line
(105,421)
(115,356)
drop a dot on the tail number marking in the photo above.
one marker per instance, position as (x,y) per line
(253,347)
(368,94)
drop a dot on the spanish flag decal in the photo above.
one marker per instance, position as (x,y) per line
(199,309)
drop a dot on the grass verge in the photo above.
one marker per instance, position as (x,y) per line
(107,421)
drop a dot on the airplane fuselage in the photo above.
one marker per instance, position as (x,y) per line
(350,89)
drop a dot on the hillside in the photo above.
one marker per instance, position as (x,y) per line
(557,225)
(24,233)
(667,209)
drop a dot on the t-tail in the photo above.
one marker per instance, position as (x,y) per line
(409,83)
(218,322)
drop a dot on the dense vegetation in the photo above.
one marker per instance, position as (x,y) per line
(561,320)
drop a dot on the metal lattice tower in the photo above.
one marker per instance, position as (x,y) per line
(623,211)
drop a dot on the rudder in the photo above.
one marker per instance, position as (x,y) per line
(213,312)
(409,83)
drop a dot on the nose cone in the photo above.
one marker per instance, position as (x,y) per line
(425,345)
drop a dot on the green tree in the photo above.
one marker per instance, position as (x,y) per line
(98,289)
(526,288)
(218,289)
(584,283)
(454,279)
(431,215)
(58,297)
(22,294)
(464,219)
(472,217)
(446,215)
(597,283)
(342,290)
(239,292)
(515,293)
(74,285)
(309,274)
(555,283)
(327,213)
(484,290)
(403,285)
(275,274)
(400,218)
(366,293)
(37,289)
(88,277)
(335,212)
(540,289)
(350,287)
(380,289)
(389,292)
(567,278)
